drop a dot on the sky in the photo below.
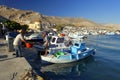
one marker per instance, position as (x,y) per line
(99,11)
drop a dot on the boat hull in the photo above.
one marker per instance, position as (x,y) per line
(68,57)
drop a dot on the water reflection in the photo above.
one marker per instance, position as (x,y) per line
(69,68)
(104,67)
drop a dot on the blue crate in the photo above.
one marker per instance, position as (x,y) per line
(66,57)
(78,46)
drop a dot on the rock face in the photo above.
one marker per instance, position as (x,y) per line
(18,15)
(31,16)
(71,21)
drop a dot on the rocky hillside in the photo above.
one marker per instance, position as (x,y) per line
(114,26)
(17,15)
(25,15)
(72,21)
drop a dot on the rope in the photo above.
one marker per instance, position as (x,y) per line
(13,76)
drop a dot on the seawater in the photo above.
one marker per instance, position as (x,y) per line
(104,65)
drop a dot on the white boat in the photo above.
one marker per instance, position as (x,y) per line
(69,67)
(110,33)
(75,36)
(60,52)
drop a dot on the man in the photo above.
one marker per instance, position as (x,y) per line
(46,45)
(17,43)
(46,42)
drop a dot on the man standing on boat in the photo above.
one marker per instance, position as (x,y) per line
(46,41)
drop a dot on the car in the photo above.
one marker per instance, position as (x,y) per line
(9,35)
(35,37)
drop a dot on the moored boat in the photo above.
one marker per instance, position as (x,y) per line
(60,52)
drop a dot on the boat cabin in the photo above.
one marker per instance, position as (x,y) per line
(57,44)
(78,48)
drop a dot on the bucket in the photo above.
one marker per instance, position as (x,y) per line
(61,35)
(29,45)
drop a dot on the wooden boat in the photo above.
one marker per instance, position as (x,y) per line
(69,67)
(59,52)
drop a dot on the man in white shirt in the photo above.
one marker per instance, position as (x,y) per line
(17,43)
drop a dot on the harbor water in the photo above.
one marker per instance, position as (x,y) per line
(104,65)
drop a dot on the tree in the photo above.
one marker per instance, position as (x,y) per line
(59,27)
(12,25)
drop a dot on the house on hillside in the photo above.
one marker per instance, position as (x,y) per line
(36,26)
(39,25)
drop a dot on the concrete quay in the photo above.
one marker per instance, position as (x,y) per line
(11,67)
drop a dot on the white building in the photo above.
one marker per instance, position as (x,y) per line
(36,26)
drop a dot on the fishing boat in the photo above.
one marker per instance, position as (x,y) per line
(69,67)
(61,51)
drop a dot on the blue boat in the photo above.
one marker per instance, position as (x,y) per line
(60,52)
